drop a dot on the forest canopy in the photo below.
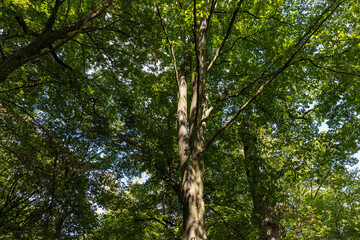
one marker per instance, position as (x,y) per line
(193,120)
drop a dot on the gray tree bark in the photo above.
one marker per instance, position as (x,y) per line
(191,143)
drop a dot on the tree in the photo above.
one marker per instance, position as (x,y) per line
(157,82)
(268,64)
(45,185)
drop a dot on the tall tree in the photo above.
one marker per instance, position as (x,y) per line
(154,82)
(267,64)
(248,47)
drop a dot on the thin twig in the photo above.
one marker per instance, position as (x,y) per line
(169,42)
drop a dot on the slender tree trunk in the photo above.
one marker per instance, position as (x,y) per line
(263,209)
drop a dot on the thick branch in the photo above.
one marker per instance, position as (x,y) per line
(58,60)
(23,25)
(226,35)
(3,57)
(34,49)
(51,20)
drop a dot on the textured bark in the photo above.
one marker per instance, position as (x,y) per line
(263,209)
(192,165)
(191,155)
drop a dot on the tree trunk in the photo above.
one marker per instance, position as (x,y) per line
(192,164)
(194,207)
(191,144)
(263,209)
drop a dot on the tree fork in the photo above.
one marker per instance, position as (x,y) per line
(193,168)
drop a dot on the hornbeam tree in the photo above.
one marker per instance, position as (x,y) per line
(212,33)
(161,87)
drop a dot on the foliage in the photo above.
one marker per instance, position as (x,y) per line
(89,118)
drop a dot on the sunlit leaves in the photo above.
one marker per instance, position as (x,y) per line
(103,110)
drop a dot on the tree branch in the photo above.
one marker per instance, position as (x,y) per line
(209,111)
(318,189)
(169,42)
(302,116)
(271,17)
(301,42)
(212,8)
(58,60)
(51,20)
(35,48)
(226,35)
(24,27)
(331,70)
(27,86)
